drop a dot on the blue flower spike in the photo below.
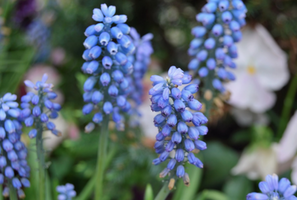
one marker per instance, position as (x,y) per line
(13,163)
(274,189)
(39,107)
(140,59)
(177,140)
(213,48)
(108,47)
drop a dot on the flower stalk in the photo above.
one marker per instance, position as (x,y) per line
(102,149)
(41,161)
(12,192)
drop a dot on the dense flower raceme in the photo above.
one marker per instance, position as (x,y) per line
(67,192)
(274,189)
(107,47)
(13,164)
(38,108)
(176,135)
(214,45)
(140,59)
(38,35)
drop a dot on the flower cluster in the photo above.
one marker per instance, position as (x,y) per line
(274,189)
(175,132)
(13,165)
(38,35)
(141,60)
(67,192)
(214,45)
(107,47)
(39,108)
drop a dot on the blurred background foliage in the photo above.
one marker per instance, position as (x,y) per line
(129,167)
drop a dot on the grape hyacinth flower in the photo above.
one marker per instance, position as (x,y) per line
(214,45)
(14,170)
(174,121)
(67,192)
(38,35)
(274,189)
(38,109)
(140,60)
(107,47)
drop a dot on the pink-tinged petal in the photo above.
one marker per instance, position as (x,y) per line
(287,147)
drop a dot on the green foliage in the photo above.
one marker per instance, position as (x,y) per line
(218,161)
(237,187)
(148,195)
(212,195)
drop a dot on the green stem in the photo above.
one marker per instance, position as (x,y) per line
(41,162)
(87,190)
(1,190)
(101,159)
(289,100)
(12,192)
(163,193)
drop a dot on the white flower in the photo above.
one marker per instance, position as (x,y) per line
(278,158)
(286,149)
(261,69)
(147,120)
(256,163)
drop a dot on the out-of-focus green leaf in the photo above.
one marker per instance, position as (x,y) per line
(212,195)
(148,195)
(61,166)
(218,161)
(238,187)
(13,67)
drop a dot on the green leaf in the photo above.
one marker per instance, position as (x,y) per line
(238,187)
(212,195)
(218,161)
(148,195)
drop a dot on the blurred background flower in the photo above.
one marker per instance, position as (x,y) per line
(262,69)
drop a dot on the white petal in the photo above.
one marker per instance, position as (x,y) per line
(267,162)
(287,147)
(246,163)
(294,171)
(247,93)
(146,120)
